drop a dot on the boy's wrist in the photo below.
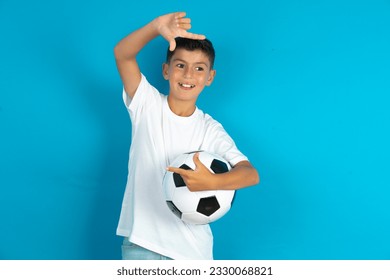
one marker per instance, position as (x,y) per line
(217,182)
(156,24)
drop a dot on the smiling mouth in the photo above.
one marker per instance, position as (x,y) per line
(186,85)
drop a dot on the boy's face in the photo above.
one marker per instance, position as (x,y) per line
(188,73)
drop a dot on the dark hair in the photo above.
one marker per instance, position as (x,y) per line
(190,45)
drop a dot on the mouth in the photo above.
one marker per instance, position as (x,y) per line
(187,86)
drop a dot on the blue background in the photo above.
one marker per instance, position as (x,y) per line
(302,86)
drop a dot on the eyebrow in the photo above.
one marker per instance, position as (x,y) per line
(181,60)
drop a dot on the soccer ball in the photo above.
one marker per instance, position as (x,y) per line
(200,207)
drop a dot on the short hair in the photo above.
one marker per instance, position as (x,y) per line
(191,45)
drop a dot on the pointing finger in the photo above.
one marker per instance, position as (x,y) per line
(179,171)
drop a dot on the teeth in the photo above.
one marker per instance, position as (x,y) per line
(187,85)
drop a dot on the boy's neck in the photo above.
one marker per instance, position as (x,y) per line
(181,108)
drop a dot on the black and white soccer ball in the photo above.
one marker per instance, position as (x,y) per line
(200,207)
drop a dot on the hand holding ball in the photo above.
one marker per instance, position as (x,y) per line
(201,207)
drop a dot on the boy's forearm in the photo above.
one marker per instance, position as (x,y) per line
(125,55)
(241,176)
(131,45)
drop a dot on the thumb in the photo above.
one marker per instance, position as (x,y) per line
(172,45)
(197,161)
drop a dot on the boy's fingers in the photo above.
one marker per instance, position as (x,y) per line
(194,36)
(183,21)
(179,171)
(172,169)
(196,159)
(184,26)
(180,15)
(172,45)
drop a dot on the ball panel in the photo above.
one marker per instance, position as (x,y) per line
(220,213)
(184,200)
(177,179)
(224,196)
(195,218)
(219,166)
(208,205)
(174,209)
(206,159)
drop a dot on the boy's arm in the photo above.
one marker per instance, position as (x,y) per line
(169,26)
(242,175)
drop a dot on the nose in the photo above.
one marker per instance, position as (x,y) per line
(188,72)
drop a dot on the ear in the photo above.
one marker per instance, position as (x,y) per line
(165,68)
(211,77)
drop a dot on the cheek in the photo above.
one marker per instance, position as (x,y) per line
(174,74)
(205,79)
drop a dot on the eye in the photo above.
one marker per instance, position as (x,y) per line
(199,68)
(180,65)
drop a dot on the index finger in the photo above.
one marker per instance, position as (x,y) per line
(177,170)
(193,36)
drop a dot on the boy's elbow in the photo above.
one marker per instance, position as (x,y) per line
(250,176)
(255,177)
(116,52)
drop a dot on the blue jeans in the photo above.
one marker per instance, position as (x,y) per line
(131,251)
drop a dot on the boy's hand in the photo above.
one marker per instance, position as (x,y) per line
(175,25)
(199,179)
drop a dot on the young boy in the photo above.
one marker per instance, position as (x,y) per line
(164,127)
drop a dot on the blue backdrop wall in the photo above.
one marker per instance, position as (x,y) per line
(302,86)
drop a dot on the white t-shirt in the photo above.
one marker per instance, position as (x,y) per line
(158,136)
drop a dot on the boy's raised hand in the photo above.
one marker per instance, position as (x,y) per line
(175,25)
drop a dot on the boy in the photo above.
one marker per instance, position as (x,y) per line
(164,127)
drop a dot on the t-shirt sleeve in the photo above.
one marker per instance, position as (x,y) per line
(218,141)
(144,97)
